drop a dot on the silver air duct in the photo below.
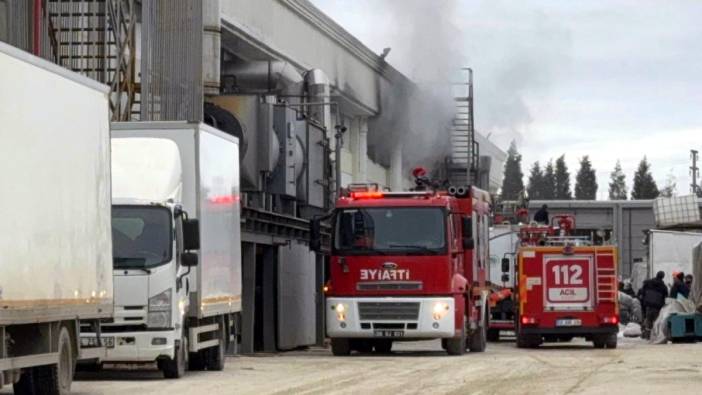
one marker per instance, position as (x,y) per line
(265,77)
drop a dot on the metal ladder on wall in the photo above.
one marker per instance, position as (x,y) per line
(96,38)
(461,164)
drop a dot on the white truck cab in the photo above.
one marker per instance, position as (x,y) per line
(176,253)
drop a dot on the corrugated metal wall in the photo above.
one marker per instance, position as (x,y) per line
(171,64)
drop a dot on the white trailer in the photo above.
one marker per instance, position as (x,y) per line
(55,239)
(177,244)
(670,251)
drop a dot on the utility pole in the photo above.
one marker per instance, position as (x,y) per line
(694,172)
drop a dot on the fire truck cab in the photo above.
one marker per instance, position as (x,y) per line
(408,266)
(565,287)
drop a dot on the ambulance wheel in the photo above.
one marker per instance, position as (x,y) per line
(493,335)
(340,346)
(383,346)
(457,345)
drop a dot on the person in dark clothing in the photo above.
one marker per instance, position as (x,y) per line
(654,293)
(679,287)
(541,216)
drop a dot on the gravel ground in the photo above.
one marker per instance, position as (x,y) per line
(421,367)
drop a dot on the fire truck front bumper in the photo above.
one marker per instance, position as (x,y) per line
(396,317)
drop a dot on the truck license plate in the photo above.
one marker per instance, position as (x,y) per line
(568,322)
(387,333)
(92,342)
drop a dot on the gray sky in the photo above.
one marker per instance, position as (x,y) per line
(609,79)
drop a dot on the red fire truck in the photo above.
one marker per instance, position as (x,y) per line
(408,266)
(565,287)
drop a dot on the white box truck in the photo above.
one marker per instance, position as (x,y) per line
(670,251)
(55,238)
(177,246)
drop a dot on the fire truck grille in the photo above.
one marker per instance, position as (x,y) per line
(388,310)
(390,286)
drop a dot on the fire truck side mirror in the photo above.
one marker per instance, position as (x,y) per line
(468,242)
(315,235)
(505,265)
(505,278)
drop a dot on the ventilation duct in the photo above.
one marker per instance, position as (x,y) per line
(264,77)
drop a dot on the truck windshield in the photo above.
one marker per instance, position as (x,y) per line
(390,230)
(141,237)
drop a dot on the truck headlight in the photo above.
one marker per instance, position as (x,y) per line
(440,310)
(340,312)
(159,315)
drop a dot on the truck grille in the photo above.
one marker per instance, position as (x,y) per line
(388,310)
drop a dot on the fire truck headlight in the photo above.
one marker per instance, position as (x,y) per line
(340,312)
(440,310)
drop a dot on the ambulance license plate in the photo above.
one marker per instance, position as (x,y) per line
(568,322)
(388,333)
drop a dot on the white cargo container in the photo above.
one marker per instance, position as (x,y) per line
(177,245)
(55,239)
(670,251)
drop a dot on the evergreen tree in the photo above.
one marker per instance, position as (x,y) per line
(562,180)
(644,185)
(586,181)
(548,191)
(536,182)
(513,183)
(617,183)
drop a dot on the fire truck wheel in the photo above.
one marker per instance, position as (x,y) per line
(612,341)
(457,345)
(478,341)
(383,346)
(340,347)
(599,341)
(493,335)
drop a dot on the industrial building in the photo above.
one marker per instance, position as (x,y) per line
(304,97)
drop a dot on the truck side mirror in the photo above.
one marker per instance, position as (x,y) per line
(191,234)
(315,235)
(505,265)
(467,225)
(188,259)
(505,277)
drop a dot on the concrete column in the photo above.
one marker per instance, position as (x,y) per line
(270,305)
(362,151)
(248,274)
(396,168)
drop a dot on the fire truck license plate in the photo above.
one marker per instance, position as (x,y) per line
(387,333)
(568,322)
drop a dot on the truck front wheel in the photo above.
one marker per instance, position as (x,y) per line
(175,368)
(478,340)
(340,346)
(457,345)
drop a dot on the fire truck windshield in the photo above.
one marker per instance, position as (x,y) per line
(390,231)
